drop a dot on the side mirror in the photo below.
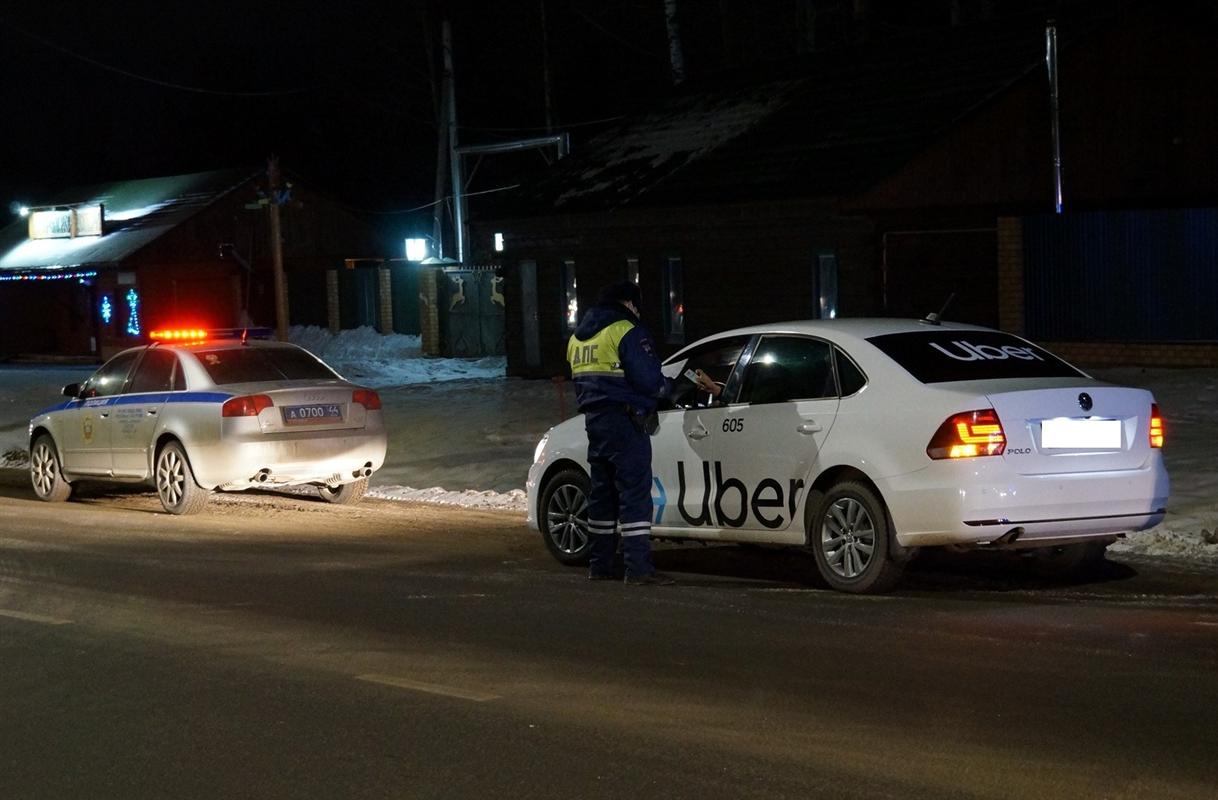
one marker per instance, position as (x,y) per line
(72,390)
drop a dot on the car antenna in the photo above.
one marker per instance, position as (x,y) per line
(936,319)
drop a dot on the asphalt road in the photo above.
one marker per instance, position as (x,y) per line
(279,647)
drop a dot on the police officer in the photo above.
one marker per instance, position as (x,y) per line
(617,384)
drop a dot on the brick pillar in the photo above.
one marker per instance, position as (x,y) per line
(429,310)
(332,321)
(1010,275)
(385,295)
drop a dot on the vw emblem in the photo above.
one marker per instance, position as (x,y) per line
(1084,401)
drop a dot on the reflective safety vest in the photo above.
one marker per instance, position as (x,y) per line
(598,356)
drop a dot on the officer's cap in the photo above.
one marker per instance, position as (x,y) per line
(620,292)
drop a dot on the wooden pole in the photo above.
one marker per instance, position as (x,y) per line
(281,293)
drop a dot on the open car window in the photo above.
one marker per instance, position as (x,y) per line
(259,364)
(717,359)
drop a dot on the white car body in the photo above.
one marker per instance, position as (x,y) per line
(742,472)
(116,437)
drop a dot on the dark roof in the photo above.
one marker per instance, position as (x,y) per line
(834,124)
(136,213)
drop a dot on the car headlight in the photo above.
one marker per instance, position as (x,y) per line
(540,447)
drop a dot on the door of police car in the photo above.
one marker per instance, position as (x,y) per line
(134,416)
(83,427)
(772,434)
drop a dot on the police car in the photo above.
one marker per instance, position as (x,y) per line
(866,439)
(193,411)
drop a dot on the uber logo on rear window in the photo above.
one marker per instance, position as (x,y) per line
(940,356)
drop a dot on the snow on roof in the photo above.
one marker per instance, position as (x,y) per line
(136,213)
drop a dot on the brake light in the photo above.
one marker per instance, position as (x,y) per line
(367,398)
(178,335)
(1156,426)
(968,435)
(247,406)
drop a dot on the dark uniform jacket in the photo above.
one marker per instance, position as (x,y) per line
(614,362)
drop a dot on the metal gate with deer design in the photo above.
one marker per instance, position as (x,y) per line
(471,318)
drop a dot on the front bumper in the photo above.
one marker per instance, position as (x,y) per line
(980,501)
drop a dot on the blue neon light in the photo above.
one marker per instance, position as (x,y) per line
(133,313)
(49,276)
(107,310)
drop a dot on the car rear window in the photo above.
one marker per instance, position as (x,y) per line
(942,356)
(255,364)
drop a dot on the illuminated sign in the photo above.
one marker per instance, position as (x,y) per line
(66,223)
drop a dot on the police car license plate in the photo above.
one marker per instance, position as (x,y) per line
(312,414)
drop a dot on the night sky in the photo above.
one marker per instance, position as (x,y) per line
(342,92)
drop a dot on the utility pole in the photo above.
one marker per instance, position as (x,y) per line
(439,96)
(454,157)
(277,196)
(545,70)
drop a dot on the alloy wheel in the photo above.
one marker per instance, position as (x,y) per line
(44,468)
(848,537)
(567,519)
(170,477)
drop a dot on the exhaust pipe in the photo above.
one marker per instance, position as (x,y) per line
(364,471)
(262,476)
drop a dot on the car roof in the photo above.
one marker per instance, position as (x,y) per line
(847,328)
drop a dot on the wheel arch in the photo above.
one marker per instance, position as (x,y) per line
(39,430)
(558,466)
(834,475)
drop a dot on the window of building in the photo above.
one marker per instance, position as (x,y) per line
(570,297)
(632,270)
(824,286)
(674,301)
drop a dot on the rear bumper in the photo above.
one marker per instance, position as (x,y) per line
(332,457)
(980,501)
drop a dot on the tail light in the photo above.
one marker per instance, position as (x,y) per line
(967,435)
(247,406)
(1156,426)
(367,398)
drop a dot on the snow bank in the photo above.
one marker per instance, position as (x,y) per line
(381,360)
(514,500)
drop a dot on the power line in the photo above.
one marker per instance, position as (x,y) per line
(583,124)
(155,81)
(433,202)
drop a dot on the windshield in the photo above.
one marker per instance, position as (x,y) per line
(257,364)
(942,356)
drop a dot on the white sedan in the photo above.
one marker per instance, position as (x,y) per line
(190,414)
(866,439)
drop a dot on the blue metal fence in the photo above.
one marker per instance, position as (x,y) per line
(1122,275)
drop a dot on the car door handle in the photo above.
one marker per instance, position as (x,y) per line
(152,412)
(808,427)
(698,433)
(104,414)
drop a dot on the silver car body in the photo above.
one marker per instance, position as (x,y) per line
(117,437)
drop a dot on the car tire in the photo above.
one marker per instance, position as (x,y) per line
(562,516)
(850,535)
(175,481)
(348,494)
(1068,560)
(46,473)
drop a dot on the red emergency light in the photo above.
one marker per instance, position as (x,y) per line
(178,335)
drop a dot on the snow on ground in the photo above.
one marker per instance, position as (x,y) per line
(364,356)
(458,424)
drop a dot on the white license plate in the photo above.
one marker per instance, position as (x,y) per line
(1080,434)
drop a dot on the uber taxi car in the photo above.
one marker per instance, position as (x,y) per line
(191,413)
(866,439)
